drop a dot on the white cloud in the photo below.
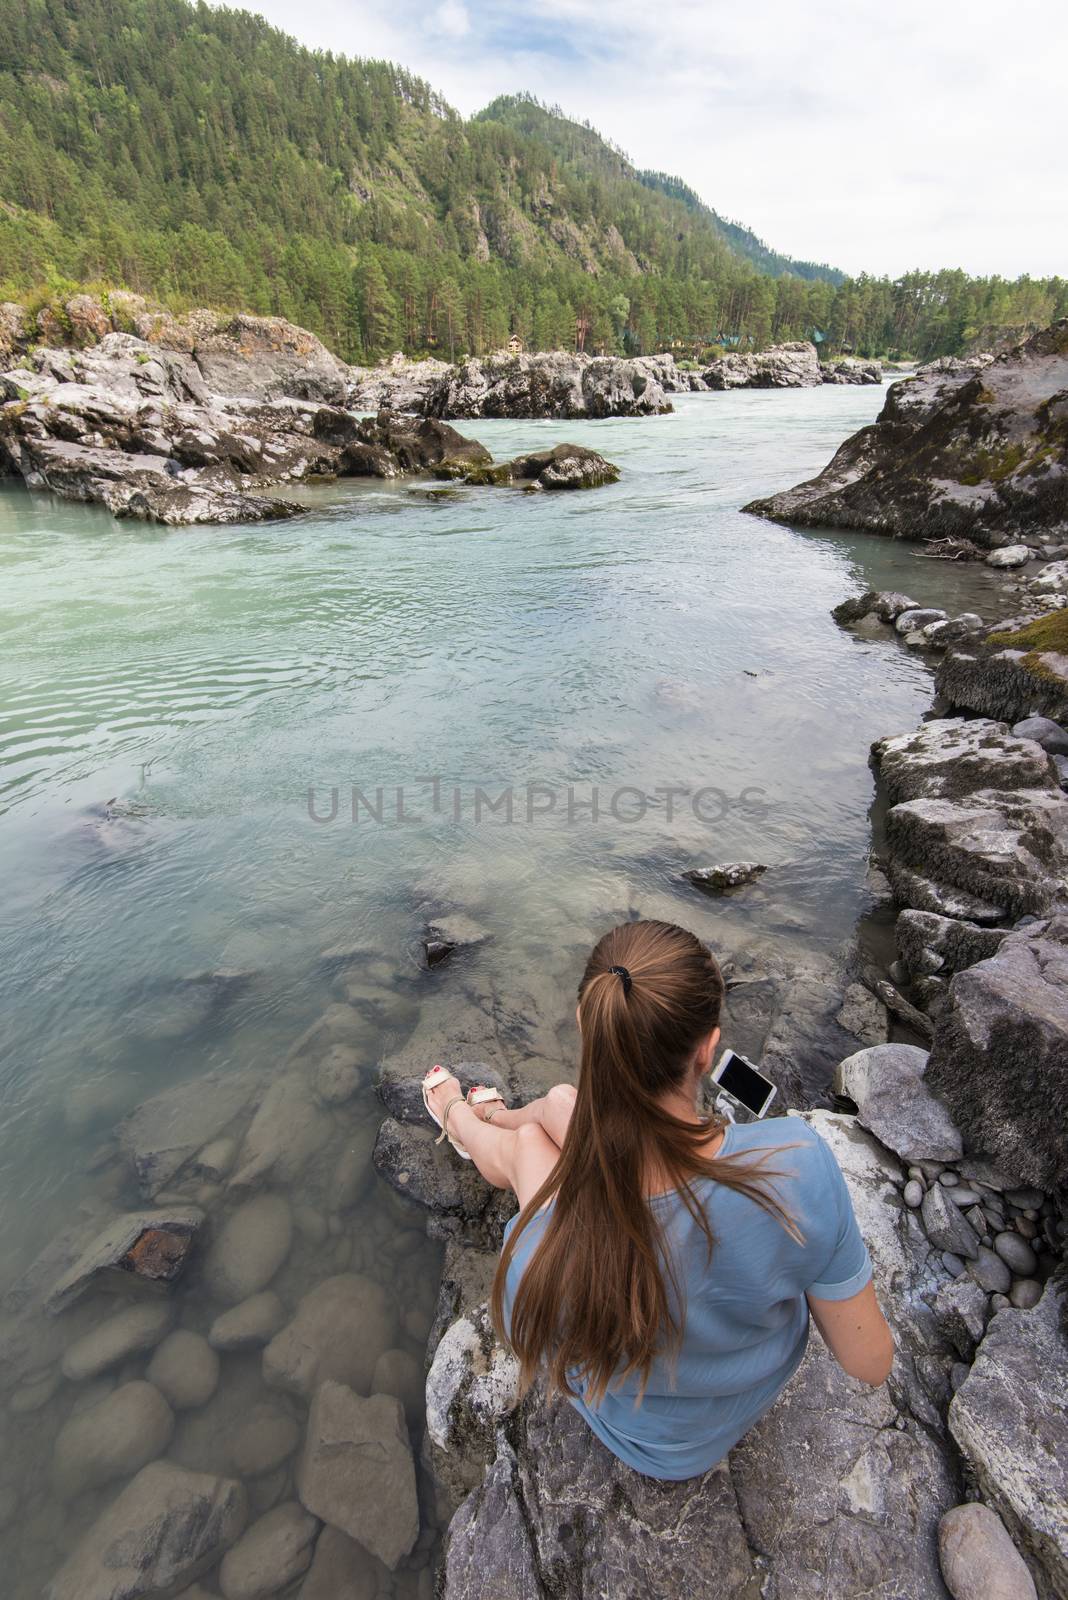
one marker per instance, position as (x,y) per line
(875,136)
(452,19)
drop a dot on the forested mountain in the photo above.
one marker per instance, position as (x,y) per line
(200,156)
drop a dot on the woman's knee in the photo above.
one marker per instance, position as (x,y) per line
(562,1095)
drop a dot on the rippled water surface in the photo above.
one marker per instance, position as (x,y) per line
(169,698)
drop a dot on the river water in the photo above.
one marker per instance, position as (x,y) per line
(546,706)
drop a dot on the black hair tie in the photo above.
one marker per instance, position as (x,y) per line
(625,975)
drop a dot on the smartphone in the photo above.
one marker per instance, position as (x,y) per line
(739,1079)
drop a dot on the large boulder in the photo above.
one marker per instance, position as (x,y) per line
(929,944)
(975,452)
(563,466)
(895,1103)
(1017,670)
(357,1471)
(559,1517)
(782,366)
(251,358)
(999,1058)
(1010,1420)
(395,385)
(950,758)
(849,370)
(876,1474)
(158,433)
(1008,848)
(166,1528)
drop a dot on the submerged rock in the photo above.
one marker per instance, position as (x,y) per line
(249,1249)
(125,1333)
(166,1132)
(151,1245)
(166,1528)
(185,1369)
(341,1569)
(357,1471)
(969,450)
(266,1437)
(252,1323)
(269,1555)
(340,1329)
(125,1431)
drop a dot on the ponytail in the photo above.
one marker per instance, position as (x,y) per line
(599,1299)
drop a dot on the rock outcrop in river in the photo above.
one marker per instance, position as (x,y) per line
(970,450)
(783,366)
(141,427)
(557,383)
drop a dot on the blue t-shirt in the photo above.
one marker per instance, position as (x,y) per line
(745,1322)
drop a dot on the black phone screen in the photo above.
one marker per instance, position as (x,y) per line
(744,1083)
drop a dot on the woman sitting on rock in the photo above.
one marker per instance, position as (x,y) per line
(663,1265)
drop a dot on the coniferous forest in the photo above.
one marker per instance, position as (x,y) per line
(199,156)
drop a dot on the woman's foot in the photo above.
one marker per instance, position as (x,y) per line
(486,1103)
(444,1090)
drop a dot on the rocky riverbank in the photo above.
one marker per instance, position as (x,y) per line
(968,450)
(207,434)
(544,1510)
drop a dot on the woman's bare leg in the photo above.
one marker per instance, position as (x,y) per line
(552,1112)
(510,1158)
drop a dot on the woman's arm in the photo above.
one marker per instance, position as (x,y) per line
(856,1333)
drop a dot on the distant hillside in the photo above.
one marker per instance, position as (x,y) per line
(200,156)
(585,149)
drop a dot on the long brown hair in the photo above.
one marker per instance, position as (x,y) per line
(597,1298)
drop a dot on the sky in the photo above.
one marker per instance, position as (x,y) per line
(876,137)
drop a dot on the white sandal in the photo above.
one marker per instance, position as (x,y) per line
(435,1076)
(483,1097)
